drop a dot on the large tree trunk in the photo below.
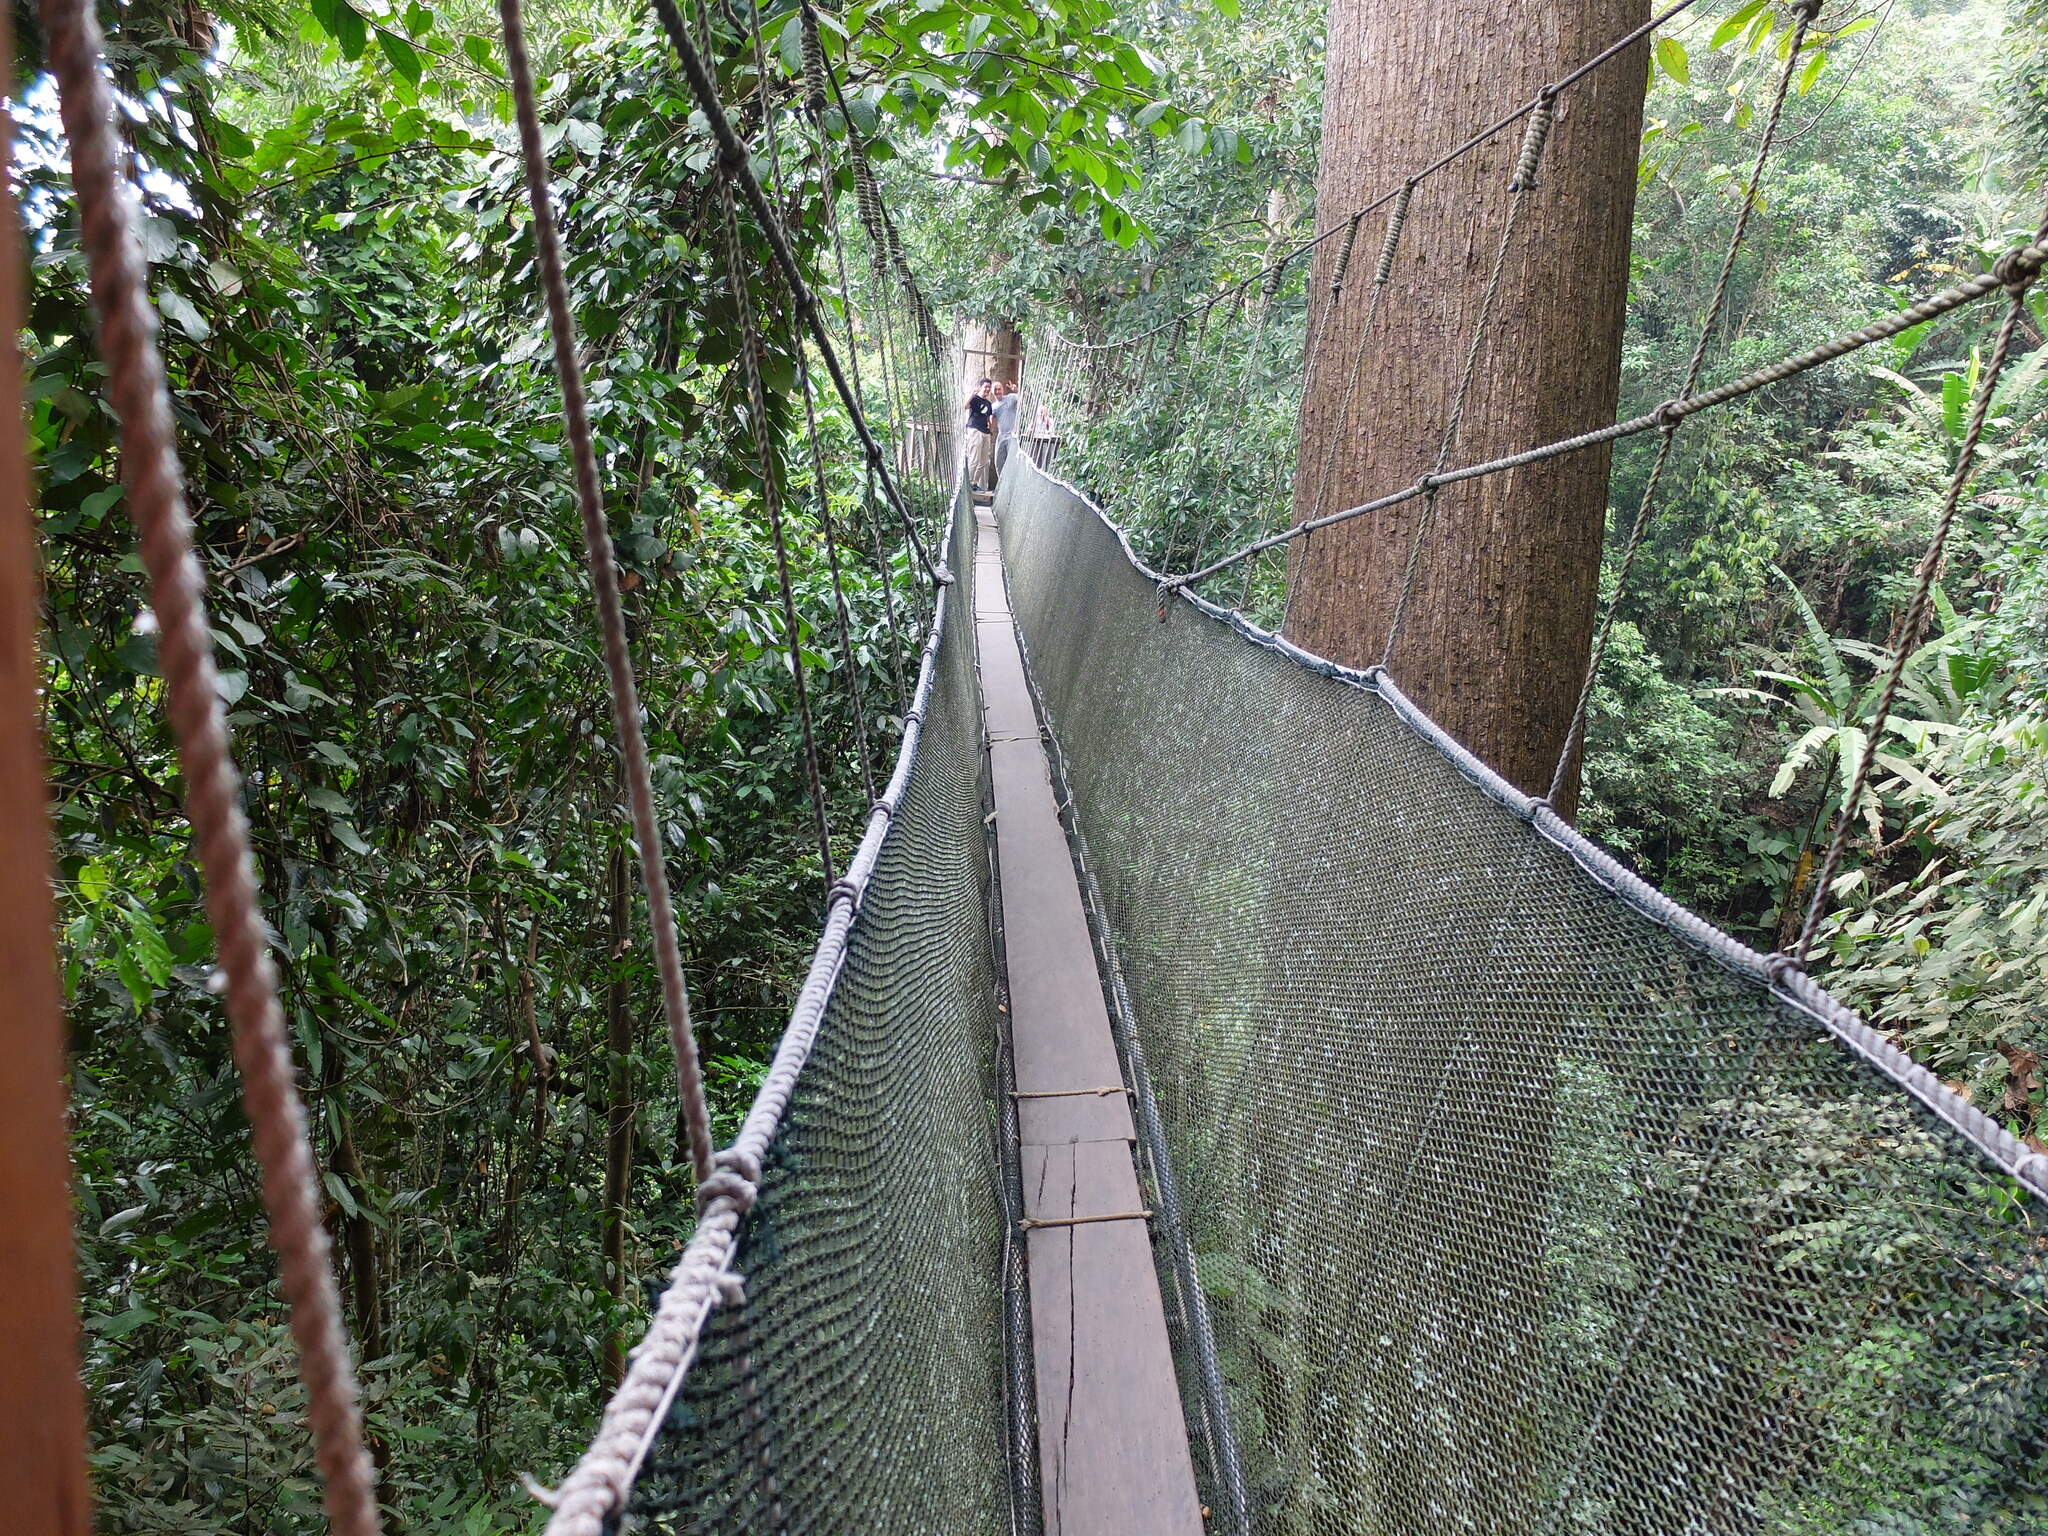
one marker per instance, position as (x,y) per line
(1496,636)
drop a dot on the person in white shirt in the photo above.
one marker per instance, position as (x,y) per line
(1006,424)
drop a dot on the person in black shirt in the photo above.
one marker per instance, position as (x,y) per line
(981,440)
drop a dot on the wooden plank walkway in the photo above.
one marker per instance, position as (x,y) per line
(1113,1446)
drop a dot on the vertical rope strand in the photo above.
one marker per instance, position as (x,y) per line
(604,585)
(1397,221)
(757,409)
(1806,11)
(853,688)
(156,501)
(1519,187)
(1916,610)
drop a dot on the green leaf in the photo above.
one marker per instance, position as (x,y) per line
(343,1197)
(231,141)
(350,30)
(146,942)
(178,309)
(121,1221)
(1812,71)
(1731,29)
(1192,137)
(403,56)
(478,51)
(1672,60)
(1228,8)
(1955,400)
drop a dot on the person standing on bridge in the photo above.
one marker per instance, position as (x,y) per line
(1006,424)
(981,441)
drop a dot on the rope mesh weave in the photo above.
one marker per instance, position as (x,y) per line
(860,1387)
(1518,1209)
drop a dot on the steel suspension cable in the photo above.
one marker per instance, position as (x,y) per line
(245,973)
(1805,12)
(1929,571)
(604,584)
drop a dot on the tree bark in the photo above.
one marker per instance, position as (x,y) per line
(618,1140)
(1498,629)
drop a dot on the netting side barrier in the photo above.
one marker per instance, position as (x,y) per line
(1524,1200)
(857,1384)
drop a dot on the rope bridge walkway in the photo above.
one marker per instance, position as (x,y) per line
(1217,1100)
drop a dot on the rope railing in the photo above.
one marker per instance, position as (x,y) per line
(2022,264)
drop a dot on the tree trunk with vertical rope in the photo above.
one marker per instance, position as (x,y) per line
(1498,628)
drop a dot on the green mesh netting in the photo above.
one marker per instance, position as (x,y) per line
(1516,1210)
(860,1387)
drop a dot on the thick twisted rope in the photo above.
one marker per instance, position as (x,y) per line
(604,586)
(156,502)
(1520,185)
(1917,608)
(1807,10)
(2021,261)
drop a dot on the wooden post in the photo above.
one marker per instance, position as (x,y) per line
(42,1409)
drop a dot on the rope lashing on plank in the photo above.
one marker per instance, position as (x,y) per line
(220,833)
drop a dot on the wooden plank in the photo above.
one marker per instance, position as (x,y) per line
(1113,1446)
(42,1410)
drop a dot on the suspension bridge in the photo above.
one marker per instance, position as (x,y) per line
(1218,1101)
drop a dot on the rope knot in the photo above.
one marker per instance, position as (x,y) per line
(1669,415)
(738,1179)
(732,160)
(1807,10)
(1783,968)
(2018,267)
(1395,221)
(1541,117)
(843,890)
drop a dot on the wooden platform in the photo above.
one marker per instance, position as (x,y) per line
(1113,1447)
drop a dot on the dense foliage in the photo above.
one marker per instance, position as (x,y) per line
(340,252)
